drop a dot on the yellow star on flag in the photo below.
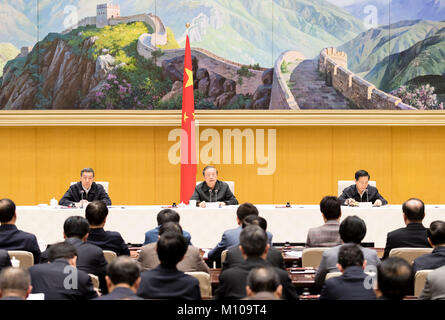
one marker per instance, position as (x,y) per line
(193,116)
(190,77)
(185,116)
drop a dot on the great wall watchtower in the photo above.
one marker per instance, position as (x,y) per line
(106,11)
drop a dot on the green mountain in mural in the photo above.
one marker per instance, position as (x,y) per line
(374,45)
(426,57)
(7,52)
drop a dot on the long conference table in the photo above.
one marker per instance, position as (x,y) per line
(206,225)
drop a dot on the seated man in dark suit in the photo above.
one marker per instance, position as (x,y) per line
(90,258)
(234,255)
(123,278)
(96,213)
(230,237)
(352,231)
(15,284)
(85,191)
(326,235)
(263,283)
(212,190)
(414,235)
(435,259)
(166,281)
(351,284)
(395,279)
(192,261)
(10,237)
(60,279)
(361,191)
(164,216)
(254,246)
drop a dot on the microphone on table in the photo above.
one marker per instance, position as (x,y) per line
(216,194)
(81,198)
(210,190)
(367,195)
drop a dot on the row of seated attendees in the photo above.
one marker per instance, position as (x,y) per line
(164,261)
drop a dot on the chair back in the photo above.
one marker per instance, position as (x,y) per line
(230,183)
(311,257)
(223,256)
(109,255)
(102,183)
(342,184)
(205,284)
(95,280)
(419,281)
(409,254)
(26,258)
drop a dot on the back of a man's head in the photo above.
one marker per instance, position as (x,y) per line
(246,209)
(330,206)
(352,229)
(15,282)
(171,248)
(436,232)
(123,270)
(170,227)
(395,278)
(167,215)
(61,250)
(76,226)
(7,210)
(263,279)
(350,255)
(253,240)
(96,212)
(255,220)
(414,209)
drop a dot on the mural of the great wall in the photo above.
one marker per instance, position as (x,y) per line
(247,54)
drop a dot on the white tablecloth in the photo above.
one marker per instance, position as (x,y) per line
(207,225)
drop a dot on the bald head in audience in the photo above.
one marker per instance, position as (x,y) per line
(15,283)
(395,279)
(263,281)
(413,211)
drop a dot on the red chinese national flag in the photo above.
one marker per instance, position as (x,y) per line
(188,151)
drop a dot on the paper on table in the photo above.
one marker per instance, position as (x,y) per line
(294,254)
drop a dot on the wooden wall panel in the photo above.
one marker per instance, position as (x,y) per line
(39,163)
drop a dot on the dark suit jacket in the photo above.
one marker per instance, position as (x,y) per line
(164,283)
(90,259)
(5,261)
(232,282)
(235,257)
(119,294)
(73,194)
(351,192)
(348,286)
(229,239)
(108,240)
(50,279)
(430,261)
(220,193)
(412,236)
(13,239)
(148,257)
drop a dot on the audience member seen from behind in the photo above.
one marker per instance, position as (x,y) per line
(395,279)
(192,261)
(352,231)
(12,238)
(164,216)
(15,284)
(351,285)
(263,283)
(434,285)
(414,235)
(435,259)
(326,235)
(96,213)
(123,278)
(166,281)
(60,279)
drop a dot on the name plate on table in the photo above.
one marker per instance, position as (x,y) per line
(365,204)
(212,205)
